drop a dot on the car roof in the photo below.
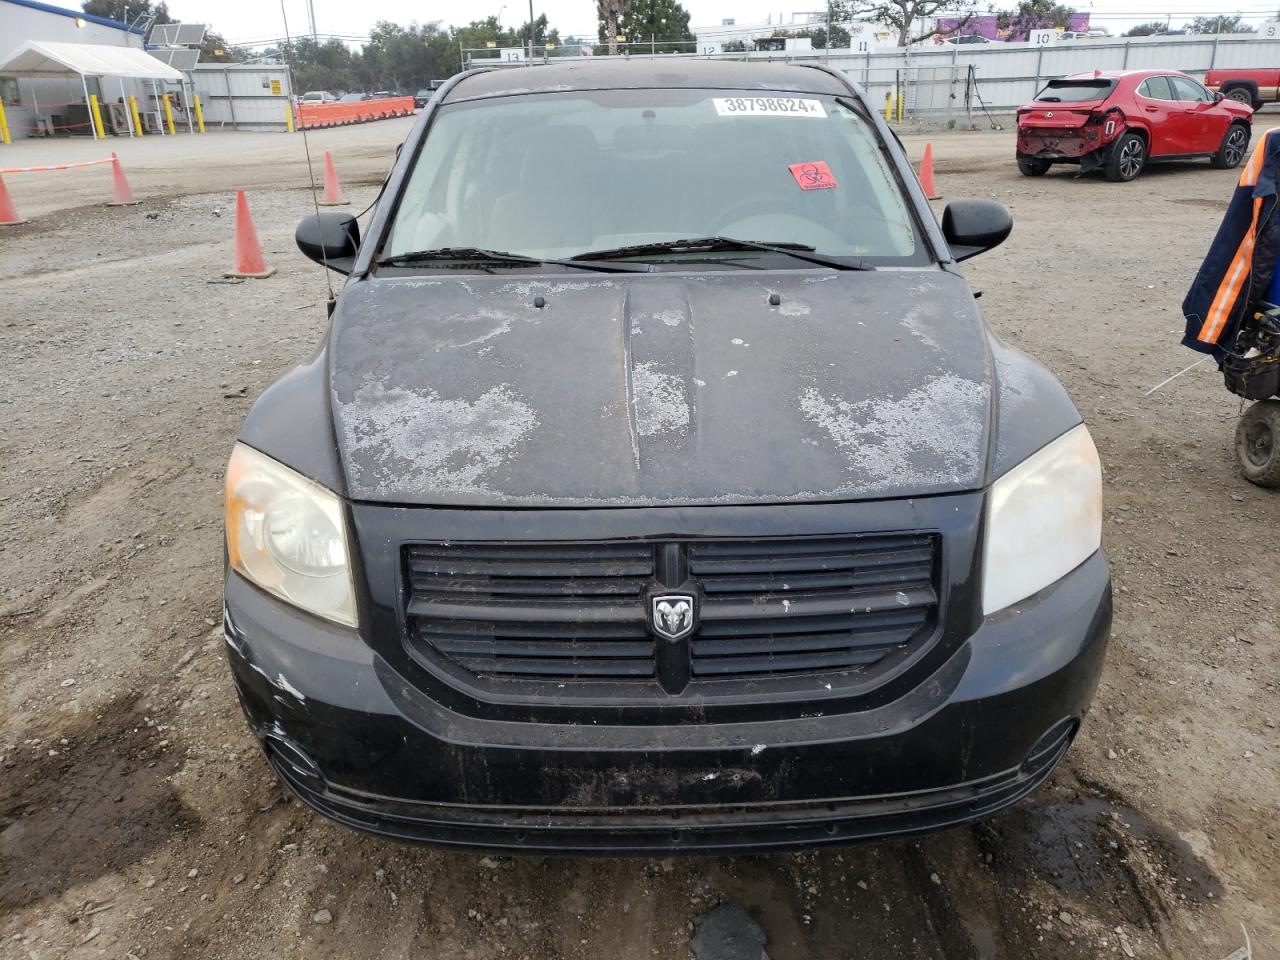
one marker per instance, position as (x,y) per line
(1123,74)
(638,74)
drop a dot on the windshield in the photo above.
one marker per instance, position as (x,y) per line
(560,175)
(1075,91)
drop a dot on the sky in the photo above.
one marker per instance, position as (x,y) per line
(248,20)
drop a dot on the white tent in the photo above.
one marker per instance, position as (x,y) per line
(45,59)
(41,58)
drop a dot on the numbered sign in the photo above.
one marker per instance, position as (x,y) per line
(1269,30)
(512,54)
(710,49)
(863,43)
(1041,37)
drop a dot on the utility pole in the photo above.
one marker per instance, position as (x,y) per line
(531,31)
(311,20)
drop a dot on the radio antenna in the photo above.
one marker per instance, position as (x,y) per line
(306,144)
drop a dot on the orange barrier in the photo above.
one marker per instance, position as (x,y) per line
(313,115)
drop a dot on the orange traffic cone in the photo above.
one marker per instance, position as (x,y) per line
(926,173)
(121,195)
(332,189)
(8,213)
(248,253)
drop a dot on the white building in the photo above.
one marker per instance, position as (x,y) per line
(57,104)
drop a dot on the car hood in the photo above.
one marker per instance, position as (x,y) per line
(625,390)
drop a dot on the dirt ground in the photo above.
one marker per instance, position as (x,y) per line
(138,818)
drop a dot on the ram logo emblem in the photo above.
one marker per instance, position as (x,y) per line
(672,616)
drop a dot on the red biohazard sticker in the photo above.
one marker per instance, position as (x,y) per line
(814,175)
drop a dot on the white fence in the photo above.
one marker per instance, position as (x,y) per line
(934,79)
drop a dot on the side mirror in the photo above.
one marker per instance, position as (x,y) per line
(972,227)
(330,239)
(1217,96)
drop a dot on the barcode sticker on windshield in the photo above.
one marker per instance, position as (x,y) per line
(768,107)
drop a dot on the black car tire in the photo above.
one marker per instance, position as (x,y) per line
(1258,443)
(1235,143)
(1033,167)
(1127,158)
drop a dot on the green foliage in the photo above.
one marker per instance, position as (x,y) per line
(1148,29)
(662,23)
(839,37)
(215,49)
(1222,23)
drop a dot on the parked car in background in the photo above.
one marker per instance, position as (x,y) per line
(1084,35)
(800,553)
(382,94)
(1254,87)
(969,39)
(1119,121)
(422,97)
(319,96)
(353,98)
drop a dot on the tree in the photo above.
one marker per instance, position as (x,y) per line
(215,49)
(611,13)
(406,58)
(1149,29)
(904,15)
(665,23)
(1221,23)
(1034,15)
(839,36)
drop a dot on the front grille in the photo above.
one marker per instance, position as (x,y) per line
(579,612)
(778,606)
(540,610)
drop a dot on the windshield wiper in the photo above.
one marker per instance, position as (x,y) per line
(481,255)
(799,251)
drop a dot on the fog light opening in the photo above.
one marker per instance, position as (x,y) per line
(1052,745)
(285,751)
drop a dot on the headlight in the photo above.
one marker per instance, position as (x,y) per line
(1044,519)
(286,534)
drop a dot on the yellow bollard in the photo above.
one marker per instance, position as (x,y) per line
(133,112)
(195,99)
(168,116)
(888,107)
(97,116)
(4,124)
(902,103)
(288,117)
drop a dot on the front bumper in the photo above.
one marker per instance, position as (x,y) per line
(358,743)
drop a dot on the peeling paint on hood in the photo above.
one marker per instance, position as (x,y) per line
(639,389)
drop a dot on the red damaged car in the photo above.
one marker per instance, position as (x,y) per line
(1121,120)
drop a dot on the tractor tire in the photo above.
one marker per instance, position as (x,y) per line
(1258,443)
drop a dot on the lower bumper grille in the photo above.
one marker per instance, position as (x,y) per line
(576,613)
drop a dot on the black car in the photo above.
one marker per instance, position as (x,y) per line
(422,98)
(658,487)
